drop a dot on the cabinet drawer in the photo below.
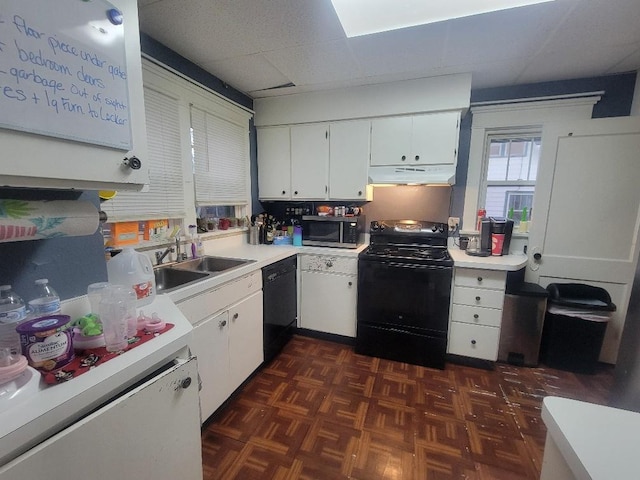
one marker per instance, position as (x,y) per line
(474,341)
(477,277)
(490,317)
(478,297)
(199,307)
(329,264)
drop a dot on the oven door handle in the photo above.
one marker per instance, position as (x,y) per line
(412,266)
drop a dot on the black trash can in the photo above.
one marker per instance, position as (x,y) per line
(574,326)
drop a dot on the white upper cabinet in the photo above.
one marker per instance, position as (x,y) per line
(274,163)
(309,161)
(349,160)
(34,160)
(428,139)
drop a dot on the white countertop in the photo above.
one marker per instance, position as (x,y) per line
(262,255)
(597,442)
(31,420)
(504,262)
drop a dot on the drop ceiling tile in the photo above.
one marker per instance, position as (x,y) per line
(319,63)
(561,65)
(493,37)
(199,30)
(629,63)
(596,23)
(408,50)
(277,24)
(247,73)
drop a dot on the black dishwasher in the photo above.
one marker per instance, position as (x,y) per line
(280,305)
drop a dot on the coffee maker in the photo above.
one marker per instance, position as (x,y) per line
(501,231)
(494,237)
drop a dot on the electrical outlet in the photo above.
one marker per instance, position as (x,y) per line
(454,222)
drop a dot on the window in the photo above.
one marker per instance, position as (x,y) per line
(509,177)
(164,197)
(504,153)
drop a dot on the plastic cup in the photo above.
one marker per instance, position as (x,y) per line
(497,242)
(117,312)
(94,292)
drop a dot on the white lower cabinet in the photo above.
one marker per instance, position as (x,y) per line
(476,313)
(227,338)
(329,294)
(152,431)
(210,345)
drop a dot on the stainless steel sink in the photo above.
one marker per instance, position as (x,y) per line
(169,278)
(212,264)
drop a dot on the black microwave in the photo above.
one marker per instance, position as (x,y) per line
(329,231)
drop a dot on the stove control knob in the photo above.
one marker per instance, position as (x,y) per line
(434,228)
(441,229)
(375,225)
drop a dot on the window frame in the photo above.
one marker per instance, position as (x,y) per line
(510,116)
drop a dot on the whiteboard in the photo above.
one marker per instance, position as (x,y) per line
(63,71)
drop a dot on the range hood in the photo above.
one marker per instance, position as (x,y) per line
(428,174)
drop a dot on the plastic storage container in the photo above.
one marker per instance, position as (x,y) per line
(134,270)
(12,312)
(45,300)
(575,324)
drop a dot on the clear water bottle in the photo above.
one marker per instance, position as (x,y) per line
(12,313)
(46,301)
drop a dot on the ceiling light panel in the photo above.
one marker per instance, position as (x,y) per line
(363,17)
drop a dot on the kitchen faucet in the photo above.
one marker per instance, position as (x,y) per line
(160,255)
(179,255)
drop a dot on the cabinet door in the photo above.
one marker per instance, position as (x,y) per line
(246,351)
(309,161)
(434,139)
(31,160)
(349,160)
(274,163)
(210,345)
(391,141)
(152,431)
(328,303)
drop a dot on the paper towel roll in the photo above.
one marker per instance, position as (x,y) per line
(33,220)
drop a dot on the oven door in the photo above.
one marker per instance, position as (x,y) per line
(406,296)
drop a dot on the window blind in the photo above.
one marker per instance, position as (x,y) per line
(165,198)
(221,159)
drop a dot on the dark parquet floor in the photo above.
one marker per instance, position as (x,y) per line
(320,411)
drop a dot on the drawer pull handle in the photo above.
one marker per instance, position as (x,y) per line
(477,298)
(185,383)
(235,316)
(223,323)
(350,283)
(479,279)
(473,342)
(476,316)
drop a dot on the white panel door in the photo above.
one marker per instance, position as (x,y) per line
(391,140)
(210,345)
(309,161)
(246,351)
(151,432)
(349,160)
(434,139)
(274,163)
(586,213)
(328,303)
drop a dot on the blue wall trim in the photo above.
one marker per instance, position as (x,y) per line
(167,56)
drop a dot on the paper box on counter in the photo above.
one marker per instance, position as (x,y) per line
(156,229)
(124,233)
